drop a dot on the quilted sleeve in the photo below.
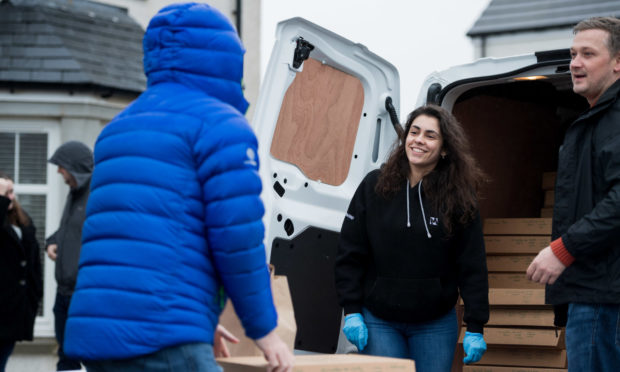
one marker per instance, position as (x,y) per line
(228,172)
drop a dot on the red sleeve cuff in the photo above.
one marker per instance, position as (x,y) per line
(559,250)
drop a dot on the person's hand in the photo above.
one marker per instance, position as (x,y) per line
(545,268)
(220,350)
(52,251)
(355,330)
(277,354)
(474,346)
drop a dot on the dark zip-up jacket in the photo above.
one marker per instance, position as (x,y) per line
(21,285)
(76,158)
(586,213)
(399,273)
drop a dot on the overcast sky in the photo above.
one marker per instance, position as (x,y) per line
(416,36)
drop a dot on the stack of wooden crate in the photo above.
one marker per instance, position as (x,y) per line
(548,184)
(520,334)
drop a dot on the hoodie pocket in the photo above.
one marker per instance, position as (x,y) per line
(399,295)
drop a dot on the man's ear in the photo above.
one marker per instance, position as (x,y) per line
(617,63)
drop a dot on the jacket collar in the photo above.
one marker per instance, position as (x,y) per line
(608,97)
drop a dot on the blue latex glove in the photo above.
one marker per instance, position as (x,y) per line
(474,347)
(355,330)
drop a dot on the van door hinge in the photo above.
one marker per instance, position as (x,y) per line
(302,52)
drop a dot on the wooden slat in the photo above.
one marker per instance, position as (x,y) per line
(517,226)
(509,263)
(515,244)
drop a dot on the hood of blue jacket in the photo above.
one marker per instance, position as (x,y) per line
(195,45)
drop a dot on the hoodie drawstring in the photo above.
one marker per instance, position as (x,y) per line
(408,223)
(428,233)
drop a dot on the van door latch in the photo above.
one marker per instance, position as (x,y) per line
(302,52)
(389,107)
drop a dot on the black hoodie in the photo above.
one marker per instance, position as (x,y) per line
(395,259)
(77,159)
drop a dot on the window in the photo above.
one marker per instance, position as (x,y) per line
(23,156)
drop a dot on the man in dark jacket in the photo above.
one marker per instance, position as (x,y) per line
(581,267)
(75,164)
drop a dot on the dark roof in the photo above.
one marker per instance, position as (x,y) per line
(502,16)
(73,42)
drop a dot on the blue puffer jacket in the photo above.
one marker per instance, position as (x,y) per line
(174,218)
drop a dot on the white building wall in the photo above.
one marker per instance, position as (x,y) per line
(522,43)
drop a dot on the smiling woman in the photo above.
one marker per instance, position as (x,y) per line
(405,253)
(423,146)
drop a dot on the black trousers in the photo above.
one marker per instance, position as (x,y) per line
(61,311)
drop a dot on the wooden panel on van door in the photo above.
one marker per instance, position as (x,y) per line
(318,122)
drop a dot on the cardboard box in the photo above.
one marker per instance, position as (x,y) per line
(286,329)
(538,337)
(508,280)
(548,180)
(515,296)
(323,362)
(546,212)
(476,368)
(515,244)
(517,226)
(511,296)
(549,198)
(521,317)
(524,357)
(510,263)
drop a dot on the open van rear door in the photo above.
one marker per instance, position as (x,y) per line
(322,125)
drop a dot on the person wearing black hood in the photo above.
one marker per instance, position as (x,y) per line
(75,163)
(411,242)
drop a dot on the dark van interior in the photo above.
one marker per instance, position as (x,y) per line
(515,130)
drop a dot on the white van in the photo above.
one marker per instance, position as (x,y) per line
(322,125)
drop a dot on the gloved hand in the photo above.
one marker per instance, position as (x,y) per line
(355,330)
(474,346)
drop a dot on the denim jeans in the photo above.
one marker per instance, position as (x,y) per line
(430,344)
(61,312)
(593,337)
(196,357)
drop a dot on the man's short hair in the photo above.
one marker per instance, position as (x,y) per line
(609,24)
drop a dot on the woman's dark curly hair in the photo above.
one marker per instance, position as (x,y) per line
(453,185)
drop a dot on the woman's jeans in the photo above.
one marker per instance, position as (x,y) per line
(430,344)
(196,357)
(593,337)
